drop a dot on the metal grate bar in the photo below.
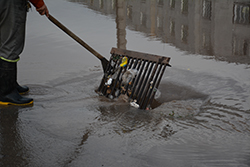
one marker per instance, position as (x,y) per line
(143,71)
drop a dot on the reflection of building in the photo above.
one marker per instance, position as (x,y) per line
(209,27)
(121,24)
(241,20)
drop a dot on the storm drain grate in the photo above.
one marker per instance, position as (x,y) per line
(133,74)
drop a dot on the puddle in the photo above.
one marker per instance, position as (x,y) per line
(200,119)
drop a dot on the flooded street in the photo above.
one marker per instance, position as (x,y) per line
(202,114)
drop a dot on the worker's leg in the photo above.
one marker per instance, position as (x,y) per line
(12,36)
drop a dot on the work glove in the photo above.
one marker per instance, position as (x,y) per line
(43,10)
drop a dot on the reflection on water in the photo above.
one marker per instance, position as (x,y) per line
(121,24)
(202,117)
(12,150)
(208,27)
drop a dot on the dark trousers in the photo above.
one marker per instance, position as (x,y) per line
(12,28)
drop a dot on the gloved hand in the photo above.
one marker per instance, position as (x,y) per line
(43,10)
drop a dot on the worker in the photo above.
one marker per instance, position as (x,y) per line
(12,38)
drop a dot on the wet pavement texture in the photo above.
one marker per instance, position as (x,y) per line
(202,116)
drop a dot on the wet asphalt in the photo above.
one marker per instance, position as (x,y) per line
(202,112)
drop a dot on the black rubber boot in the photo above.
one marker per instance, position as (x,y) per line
(8,86)
(22,89)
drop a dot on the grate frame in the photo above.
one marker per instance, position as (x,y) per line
(140,90)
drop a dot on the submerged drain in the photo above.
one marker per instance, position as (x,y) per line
(134,75)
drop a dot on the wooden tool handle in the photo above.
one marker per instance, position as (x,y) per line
(76,38)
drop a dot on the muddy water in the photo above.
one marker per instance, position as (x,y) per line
(202,116)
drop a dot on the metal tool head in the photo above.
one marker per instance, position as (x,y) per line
(134,74)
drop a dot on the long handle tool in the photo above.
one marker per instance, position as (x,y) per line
(104,61)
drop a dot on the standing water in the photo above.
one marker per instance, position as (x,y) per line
(202,114)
